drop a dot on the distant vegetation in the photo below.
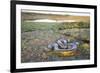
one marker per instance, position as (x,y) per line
(31,26)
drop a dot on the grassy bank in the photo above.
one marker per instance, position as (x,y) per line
(31,26)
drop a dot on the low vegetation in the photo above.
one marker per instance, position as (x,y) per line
(35,37)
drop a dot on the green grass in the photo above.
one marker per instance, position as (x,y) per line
(31,26)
